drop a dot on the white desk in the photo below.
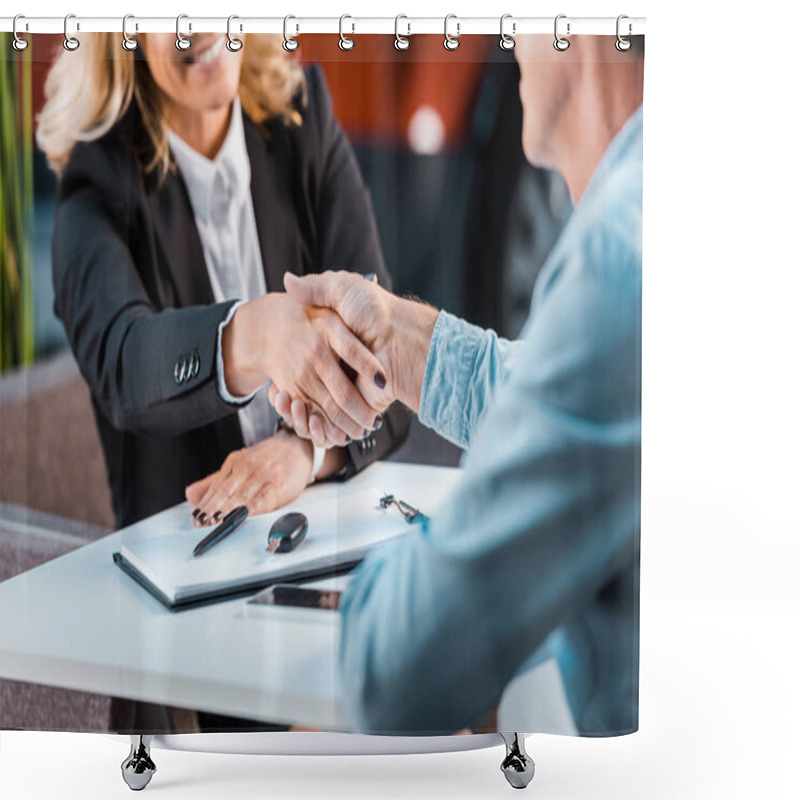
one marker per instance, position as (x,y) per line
(79,622)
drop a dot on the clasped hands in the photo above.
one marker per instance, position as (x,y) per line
(336,351)
(395,331)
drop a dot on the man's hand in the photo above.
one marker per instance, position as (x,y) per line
(397,331)
(299,348)
(262,477)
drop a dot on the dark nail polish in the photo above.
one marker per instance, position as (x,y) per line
(217,516)
(195,513)
(202,518)
(380,380)
(378,424)
(348,439)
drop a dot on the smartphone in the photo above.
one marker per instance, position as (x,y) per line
(286,594)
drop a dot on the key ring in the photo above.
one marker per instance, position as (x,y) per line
(561,43)
(18,43)
(410,514)
(128,42)
(289,44)
(507,42)
(623,44)
(401,42)
(182,43)
(70,42)
(451,42)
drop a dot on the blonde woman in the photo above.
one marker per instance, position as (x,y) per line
(190,182)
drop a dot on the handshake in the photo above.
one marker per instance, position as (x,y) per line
(338,350)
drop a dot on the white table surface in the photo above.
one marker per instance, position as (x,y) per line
(79,622)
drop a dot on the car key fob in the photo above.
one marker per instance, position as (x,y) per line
(287,532)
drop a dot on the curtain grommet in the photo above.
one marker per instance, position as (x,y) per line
(71,43)
(289,44)
(345,42)
(18,43)
(233,44)
(451,42)
(128,42)
(181,42)
(623,43)
(507,41)
(561,43)
(401,42)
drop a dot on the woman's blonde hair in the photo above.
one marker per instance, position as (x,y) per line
(89,90)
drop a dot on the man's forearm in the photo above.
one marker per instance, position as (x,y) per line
(465,364)
(409,343)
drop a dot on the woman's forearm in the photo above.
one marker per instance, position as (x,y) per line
(246,362)
(156,373)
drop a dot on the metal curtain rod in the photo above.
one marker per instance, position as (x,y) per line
(460,26)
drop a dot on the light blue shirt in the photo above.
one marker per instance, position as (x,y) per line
(536,553)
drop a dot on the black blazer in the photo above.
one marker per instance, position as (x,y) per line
(133,292)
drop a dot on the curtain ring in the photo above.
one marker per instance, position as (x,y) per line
(623,44)
(451,42)
(560,43)
(401,42)
(345,42)
(289,44)
(507,42)
(128,42)
(18,43)
(182,43)
(70,42)
(233,44)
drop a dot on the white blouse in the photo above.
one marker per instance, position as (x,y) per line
(219,191)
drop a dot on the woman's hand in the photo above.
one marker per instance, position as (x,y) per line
(262,477)
(299,348)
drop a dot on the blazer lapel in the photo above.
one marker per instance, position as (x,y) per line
(186,270)
(271,185)
(176,231)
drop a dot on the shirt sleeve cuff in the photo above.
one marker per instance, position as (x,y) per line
(222,389)
(445,387)
(319,458)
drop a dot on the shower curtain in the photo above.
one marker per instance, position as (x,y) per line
(471,555)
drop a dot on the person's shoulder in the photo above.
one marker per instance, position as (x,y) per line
(597,262)
(109,161)
(603,238)
(612,211)
(318,102)
(610,236)
(317,109)
(308,135)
